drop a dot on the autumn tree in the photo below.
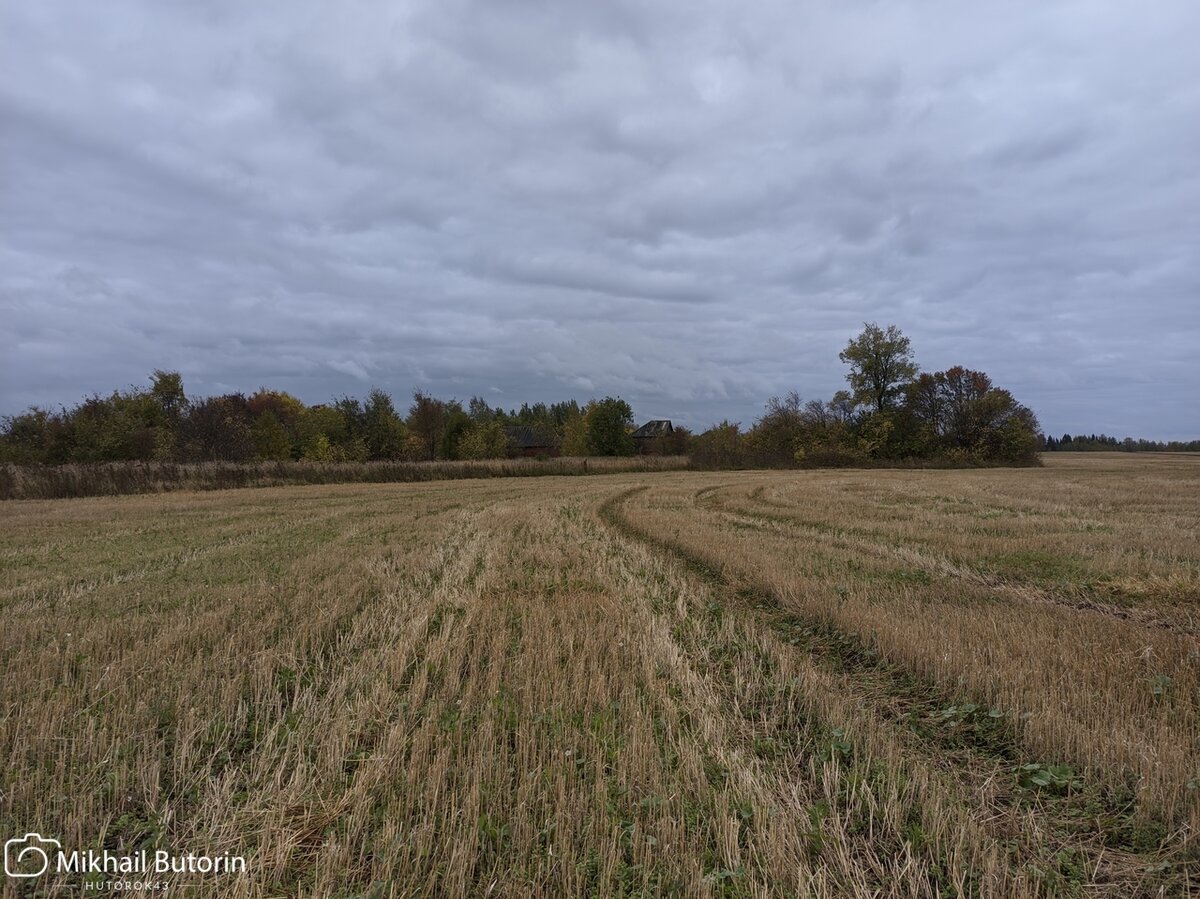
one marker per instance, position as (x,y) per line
(271,440)
(167,389)
(36,436)
(721,446)
(574,435)
(486,440)
(427,419)
(286,408)
(775,437)
(881,364)
(322,433)
(125,425)
(961,414)
(217,428)
(962,391)
(275,417)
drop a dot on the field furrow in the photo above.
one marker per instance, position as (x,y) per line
(936,726)
(727,684)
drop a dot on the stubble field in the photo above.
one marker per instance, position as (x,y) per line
(855,683)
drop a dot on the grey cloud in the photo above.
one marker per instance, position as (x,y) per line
(692,204)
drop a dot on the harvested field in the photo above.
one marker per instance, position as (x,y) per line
(826,683)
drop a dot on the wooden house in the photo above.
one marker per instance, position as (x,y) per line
(652,436)
(529,441)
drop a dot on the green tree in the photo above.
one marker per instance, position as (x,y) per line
(167,389)
(609,423)
(1016,436)
(36,437)
(881,365)
(318,449)
(321,421)
(479,410)
(777,435)
(487,440)
(574,435)
(350,444)
(961,414)
(457,425)
(124,426)
(271,440)
(876,431)
(721,446)
(828,438)
(427,419)
(383,431)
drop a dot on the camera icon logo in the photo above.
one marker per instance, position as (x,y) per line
(28,856)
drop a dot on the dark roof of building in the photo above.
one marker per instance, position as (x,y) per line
(660,427)
(526,437)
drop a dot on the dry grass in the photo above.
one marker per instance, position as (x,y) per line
(710,684)
(81,479)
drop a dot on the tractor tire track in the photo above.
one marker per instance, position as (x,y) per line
(905,700)
(942,566)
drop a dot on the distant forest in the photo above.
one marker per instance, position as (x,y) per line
(892,413)
(1092,443)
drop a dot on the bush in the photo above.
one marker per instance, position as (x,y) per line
(118,478)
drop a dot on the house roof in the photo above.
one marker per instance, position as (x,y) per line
(659,427)
(526,437)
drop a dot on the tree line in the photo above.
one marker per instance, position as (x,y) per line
(162,423)
(1092,443)
(892,412)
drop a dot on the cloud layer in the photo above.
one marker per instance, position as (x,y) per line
(691,204)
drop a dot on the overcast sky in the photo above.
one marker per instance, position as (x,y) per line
(690,204)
